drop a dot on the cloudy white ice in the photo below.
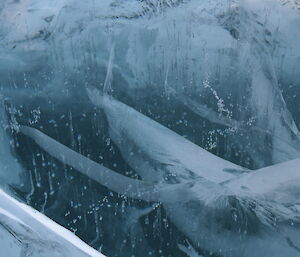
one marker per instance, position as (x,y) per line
(150,128)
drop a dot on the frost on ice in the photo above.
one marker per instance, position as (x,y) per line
(150,128)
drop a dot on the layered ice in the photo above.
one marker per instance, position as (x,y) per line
(26,232)
(210,77)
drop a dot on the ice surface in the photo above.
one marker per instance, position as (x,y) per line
(10,169)
(261,189)
(178,156)
(113,180)
(26,232)
(215,79)
(10,246)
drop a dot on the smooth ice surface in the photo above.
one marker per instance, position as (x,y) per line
(190,143)
(268,204)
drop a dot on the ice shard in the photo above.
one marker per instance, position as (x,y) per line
(26,232)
